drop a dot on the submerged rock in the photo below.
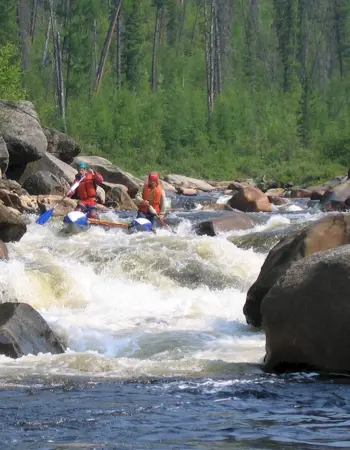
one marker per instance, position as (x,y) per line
(234,220)
(306,315)
(23,331)
(329,232)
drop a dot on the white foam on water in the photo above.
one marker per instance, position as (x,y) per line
(121,307)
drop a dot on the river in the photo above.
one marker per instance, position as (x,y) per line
(159,354)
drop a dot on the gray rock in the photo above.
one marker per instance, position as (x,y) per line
(188,182)
(329,232)
(111,173)
(60,145)
(23,331)
(4,156)
(234,220)
(21,130)
(49,163)
(44,183)
(12,226)
(306,315)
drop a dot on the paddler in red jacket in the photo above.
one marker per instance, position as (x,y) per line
(88,181)
(151,200)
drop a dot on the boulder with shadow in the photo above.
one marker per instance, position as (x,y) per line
(12,226)
(4,157)
(23,331)
(22,132)
(230,221)
(60,145)
(326,233)
(306,315)
(45,183)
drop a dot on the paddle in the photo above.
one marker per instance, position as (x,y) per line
(106,223)
(153,211)
(46,215)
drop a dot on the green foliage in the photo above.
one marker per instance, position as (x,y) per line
(10,74)
(284,107)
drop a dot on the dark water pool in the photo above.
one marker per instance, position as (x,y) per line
(247,412)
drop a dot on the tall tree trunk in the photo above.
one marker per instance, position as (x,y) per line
(217,51)
(106,45)
(225,14)
(119,52)
(46,45)
(154,51)
(33,20)
(208,22)
(183,20)
(23,21)
(58,65)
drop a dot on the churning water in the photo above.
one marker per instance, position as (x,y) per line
(159,354)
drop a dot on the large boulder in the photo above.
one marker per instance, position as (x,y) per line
(336,199)
(21,130)
(13,186)
(231,221)
(188,182)
(23,331)
(49,163)
(329,232)
(12,227)
(45,183)
(4,156)
(250,199)
(117,197)
(111,173)
(60,145)
(306,315)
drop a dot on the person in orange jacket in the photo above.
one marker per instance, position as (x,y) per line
(86,190)
(151,199)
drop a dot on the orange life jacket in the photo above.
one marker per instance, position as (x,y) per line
(153,196)
(87,188)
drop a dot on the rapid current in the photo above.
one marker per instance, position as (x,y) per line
(159,354)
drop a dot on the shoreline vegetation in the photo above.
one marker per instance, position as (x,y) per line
(205,88)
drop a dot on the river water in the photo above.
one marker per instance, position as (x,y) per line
(159,354)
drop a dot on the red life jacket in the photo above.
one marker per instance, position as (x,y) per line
(87,188)
(153,196)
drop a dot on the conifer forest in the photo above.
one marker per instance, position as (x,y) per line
(208,88)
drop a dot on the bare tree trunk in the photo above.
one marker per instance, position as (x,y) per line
(119,53)
(23,21)
(195,23)
(46,46)
(58,65)
(154,52)
(217,51)
(183,19)
(106,45)
(209,61)
(225,15)
(33,20)
(68,68)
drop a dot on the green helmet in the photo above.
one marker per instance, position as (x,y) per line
(82,165)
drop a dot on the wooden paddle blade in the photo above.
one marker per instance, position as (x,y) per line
(106,223)
(45,216)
